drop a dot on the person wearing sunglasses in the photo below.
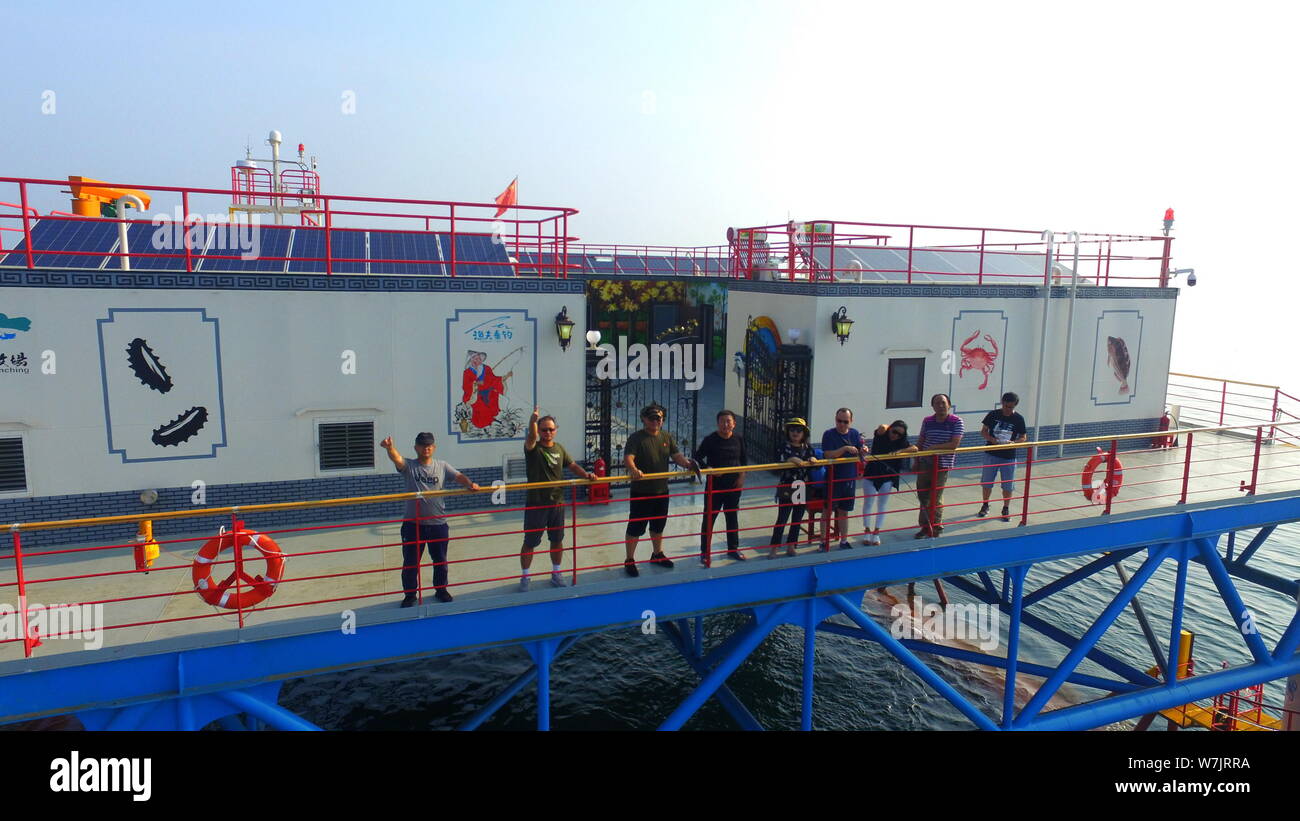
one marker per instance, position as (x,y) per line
(790,503)
(648,451)
(838,442)
(884,475)
(546,461)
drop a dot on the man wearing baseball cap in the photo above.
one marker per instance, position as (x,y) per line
(425,518)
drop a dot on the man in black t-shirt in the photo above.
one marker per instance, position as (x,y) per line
(649,451)
(545,460)
(1001,427)
(724,449)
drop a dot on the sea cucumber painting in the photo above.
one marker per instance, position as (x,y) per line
(161,374)
(1115,357)
(491,372)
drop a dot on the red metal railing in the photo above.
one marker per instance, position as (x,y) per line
(1204,400)
(825,250)
(538,230)
(652,260)
(1213,466)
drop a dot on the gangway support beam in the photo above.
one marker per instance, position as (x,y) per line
(747,638)
(974,657)
(543,653)
(1090,637)
(520,682)
(729,701)
(910,661)
(1232,599)
(273,714)
(1056,634)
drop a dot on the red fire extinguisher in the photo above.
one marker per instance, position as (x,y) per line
(598,494)
(1163,441)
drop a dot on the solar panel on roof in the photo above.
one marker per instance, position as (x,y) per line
(244,248)
(168,240)
(478,248)
(54,234)
(418,252)
(307,254)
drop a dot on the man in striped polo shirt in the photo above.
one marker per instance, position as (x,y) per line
(942,431)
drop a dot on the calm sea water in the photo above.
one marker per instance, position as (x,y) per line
(627,681)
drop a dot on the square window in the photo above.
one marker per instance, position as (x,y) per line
(906,383)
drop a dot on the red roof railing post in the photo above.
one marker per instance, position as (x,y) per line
(451,238)
(27,242)
(1223,401)
(329,225)
(983,232)
(185,231)
(911,236)
(1164,263)
(1187,469)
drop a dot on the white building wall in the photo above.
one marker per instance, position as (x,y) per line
(281,356)
(855,375)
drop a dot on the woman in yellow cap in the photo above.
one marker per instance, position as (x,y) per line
(791,499)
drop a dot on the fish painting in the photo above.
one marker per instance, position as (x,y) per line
(1118,359)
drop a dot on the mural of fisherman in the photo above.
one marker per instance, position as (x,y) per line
(490,395)
(482,390)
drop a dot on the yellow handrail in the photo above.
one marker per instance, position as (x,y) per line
(398,497)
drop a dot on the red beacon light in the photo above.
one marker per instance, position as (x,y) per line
(1169,220)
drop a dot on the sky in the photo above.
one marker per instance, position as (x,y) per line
(666,122)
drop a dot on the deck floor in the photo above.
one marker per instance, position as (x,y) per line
(485,564)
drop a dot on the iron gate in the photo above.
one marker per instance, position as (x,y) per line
(614,413)
(777,386)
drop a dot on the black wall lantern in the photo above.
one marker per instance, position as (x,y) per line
(564,328)
(841,325)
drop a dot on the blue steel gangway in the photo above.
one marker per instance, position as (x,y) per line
(233,675)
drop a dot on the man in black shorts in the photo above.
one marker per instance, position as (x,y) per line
(648,451)
(546,460)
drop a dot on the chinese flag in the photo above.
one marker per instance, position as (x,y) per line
(508,197)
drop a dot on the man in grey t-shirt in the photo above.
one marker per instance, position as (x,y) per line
(424,523)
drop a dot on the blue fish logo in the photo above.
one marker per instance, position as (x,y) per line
(18,323)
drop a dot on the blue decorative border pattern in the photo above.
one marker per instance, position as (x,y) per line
(286,282)
(574,284)
(848,289)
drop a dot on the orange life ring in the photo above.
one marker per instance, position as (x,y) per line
(1116,479)
(253,590)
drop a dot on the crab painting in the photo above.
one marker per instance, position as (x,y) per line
(978,359)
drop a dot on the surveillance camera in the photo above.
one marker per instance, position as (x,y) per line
(1191,280)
